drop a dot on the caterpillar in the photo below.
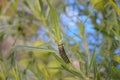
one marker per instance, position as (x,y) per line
(63,53)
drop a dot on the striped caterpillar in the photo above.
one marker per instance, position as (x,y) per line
(63,53)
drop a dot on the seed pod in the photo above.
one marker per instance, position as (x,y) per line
(63,53)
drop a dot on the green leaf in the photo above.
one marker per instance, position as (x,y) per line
(39,73)
(75,73)
(26,3)
(98,4)
(55,21)
(59,59)
(42,49)
(116,73)
(41,4)
(92,59)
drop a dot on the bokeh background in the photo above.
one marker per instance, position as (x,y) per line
(30,31)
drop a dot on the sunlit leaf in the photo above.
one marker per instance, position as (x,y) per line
(117,58)
(98,4)
(55,21)
(115,6)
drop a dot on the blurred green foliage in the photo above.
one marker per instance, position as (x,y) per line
(23,58)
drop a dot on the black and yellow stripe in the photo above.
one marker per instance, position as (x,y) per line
(63,53)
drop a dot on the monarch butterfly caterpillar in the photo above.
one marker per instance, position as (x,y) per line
(62,52)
